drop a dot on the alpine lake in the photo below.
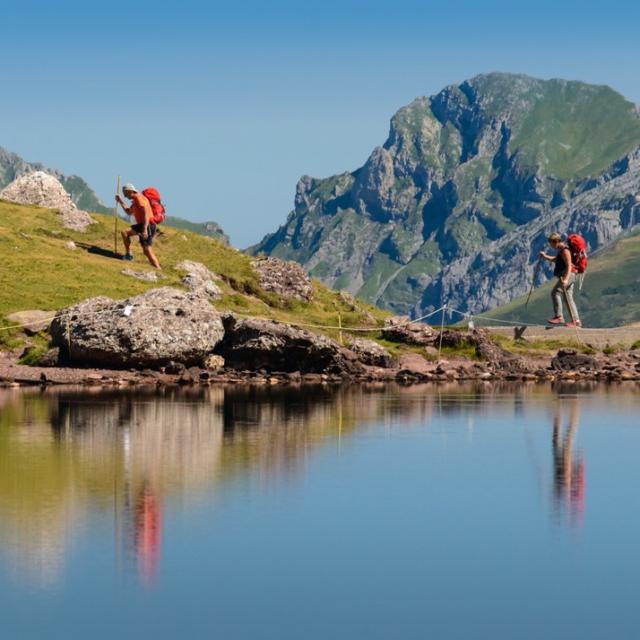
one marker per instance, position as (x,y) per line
(452,511)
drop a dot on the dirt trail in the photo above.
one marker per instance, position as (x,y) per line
(599,338)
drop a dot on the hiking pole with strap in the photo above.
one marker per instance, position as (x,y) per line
(533,281)
(115,214)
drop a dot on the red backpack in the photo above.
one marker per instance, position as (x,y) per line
(153,196)
(578,248)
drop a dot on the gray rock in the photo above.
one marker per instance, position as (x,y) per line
(370,352)
(570,359)
(401,329)
(213,362)
(44,190)
(149,330)
(253,344)
(199,279)
(413,365)
(33,320)
(51,358)
(287,279)
(145,276)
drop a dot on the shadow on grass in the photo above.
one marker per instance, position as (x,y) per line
(99,251)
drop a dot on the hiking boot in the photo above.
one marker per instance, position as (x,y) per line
(577,323)
(556,320)
(127,256)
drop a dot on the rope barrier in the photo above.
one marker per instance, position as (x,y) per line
(246,315)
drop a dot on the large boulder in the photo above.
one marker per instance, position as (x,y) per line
(253,344)
(285,278)
(401,329)
(149,330)
(43,190)
(370,352)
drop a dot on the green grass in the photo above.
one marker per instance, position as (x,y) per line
(576,130)
(38,271)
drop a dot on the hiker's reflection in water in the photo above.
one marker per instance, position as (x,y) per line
(568,464)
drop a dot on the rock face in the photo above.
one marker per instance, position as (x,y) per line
(149,330)
(287,279)
(44,190)
(457,202)
(254,344)
(199,279)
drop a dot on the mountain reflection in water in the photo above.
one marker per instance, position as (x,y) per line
(128,455)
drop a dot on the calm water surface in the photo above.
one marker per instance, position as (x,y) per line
(451,512)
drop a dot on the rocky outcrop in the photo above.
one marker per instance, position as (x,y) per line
(401,329)
(287,279)
(149,330)
(370,352)
(199,279)
(454,207)
(43,190)
(570,359)
(255,344)
(12,166)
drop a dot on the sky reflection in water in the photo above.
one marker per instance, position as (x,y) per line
(503,511)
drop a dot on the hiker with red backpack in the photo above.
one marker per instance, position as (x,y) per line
(148,211)
(570,259)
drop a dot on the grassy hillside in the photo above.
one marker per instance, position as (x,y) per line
(610,294)
(38,270)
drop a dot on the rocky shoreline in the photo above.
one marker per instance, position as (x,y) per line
(412,368)
(168,336)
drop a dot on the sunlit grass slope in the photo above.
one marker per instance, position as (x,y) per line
(39,271)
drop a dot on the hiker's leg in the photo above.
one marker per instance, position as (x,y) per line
(151,256)
(556,298)
(573,310)
(126,240)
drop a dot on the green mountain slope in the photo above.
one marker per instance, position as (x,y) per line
(209,229)
(610,295)
(480,163)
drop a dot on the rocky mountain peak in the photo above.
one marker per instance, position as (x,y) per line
(478,163)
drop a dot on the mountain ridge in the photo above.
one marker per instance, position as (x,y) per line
(460,170)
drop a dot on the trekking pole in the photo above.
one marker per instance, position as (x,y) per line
(533,281)
(115,215)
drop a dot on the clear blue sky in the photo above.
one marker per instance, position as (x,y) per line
(224,105)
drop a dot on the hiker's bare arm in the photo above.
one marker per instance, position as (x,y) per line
(121,202)
(567,260)
(546,256)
